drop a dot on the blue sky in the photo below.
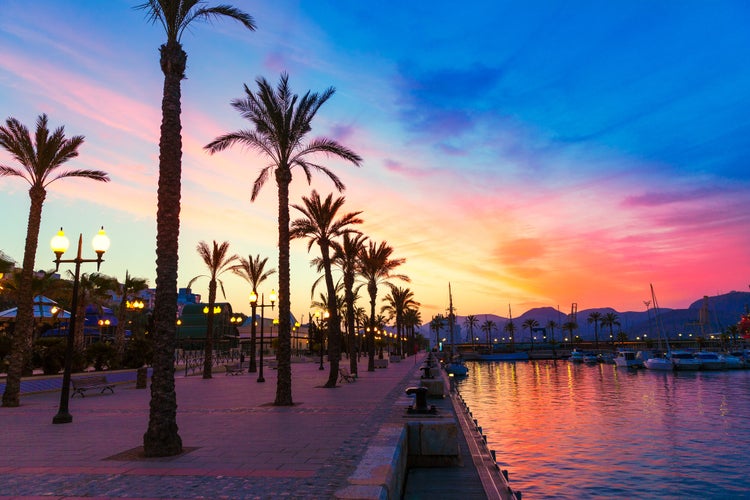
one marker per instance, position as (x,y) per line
(530,153)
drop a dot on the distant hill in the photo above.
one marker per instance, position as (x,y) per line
(722,311)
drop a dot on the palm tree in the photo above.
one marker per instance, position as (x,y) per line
(487,327)
(595,317)
(128,290)
(41,159)
(253,270)
(176,16)
(510,327)
(397,303)
(320,225)
(282,121)
(93,288)
(610,319)
(376,267)
(530,324)
(552,324)
(412,320)
(345,257)
(436,324)
(570,327)
(218,262)
(471,322)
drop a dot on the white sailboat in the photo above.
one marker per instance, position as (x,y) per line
(662,361)
(455,365)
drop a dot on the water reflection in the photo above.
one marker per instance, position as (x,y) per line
(578,431)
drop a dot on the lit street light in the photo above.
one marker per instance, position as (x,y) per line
(253,302)
(60,245)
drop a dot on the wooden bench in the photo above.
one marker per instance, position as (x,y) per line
(98,382)
(344,375)
(233,370)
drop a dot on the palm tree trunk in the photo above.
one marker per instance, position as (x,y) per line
(120,330)
(373,291)
(348,286)
(161,439)
(283,356)
(334,322)
(24,327)
(208,360)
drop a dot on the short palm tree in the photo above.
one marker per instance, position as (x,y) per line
(488,327)
(570,327)
(320,225)
(128,291)
(253,270)
(530,324)
(437,323)
(510,328)
(397,303)
(412,320)
(41,159)
(376,266)
(175,16)
(595,317)
(610,319)
(218,261)
(93,289)
(552,324)
(282,121)
(471,322)
(346,257)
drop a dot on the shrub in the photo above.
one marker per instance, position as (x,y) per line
(101,355)
(138,352)
(49,354)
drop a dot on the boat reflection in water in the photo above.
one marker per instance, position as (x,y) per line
(565,430)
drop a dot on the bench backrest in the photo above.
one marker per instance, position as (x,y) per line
(90,380)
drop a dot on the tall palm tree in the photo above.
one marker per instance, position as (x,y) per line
(320,225)
(487,327)
(176,16)
(253,270)
(345,257)
(610,319)
(530,324)
(282,121)
(595,317)
(41,159)
(397,303)
(436,324)
(128,290)
(376,266)
(218,261)
(471,322)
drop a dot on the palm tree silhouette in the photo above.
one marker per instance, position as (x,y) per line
(282,121)
(175,16)
(41,159)
(595,317)
(320,226)
(397,303)
(218,261)
(346,258)
(253,270)
(530,324)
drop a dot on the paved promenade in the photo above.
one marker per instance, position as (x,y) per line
(238,445)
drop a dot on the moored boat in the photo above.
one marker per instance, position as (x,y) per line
(684,361)
(576,356)
(731,362)
(659,363)
(627,359)
(709,360)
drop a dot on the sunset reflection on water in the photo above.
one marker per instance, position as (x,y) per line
(579,431)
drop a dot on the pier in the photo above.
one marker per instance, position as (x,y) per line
(238,445)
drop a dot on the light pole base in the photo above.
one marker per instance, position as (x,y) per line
(261,379)
(62,418)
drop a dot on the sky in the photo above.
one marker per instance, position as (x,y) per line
(530,154)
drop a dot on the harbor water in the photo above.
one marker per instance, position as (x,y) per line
(565,430)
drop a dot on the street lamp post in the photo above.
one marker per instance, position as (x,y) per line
(321,332)
(60,244)
(253,302)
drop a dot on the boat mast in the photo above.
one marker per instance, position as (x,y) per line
(659,326)
(451,318)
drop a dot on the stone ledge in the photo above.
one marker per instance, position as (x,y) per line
(381,472)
